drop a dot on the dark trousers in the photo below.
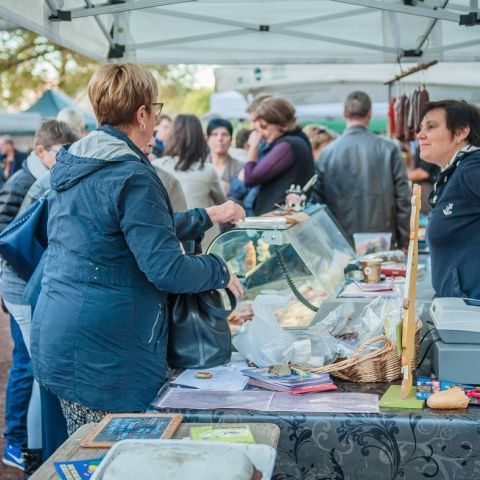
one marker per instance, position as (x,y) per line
(54,426)
(18,390)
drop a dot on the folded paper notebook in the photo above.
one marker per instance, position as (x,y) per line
(391,399)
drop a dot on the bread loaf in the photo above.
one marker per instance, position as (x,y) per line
(448,399)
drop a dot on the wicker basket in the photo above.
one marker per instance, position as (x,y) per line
(380,365)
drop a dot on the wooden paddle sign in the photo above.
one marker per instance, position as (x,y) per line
(409,313)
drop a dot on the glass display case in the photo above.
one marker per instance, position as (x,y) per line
(302,255)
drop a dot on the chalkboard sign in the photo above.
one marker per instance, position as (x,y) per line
(122,426)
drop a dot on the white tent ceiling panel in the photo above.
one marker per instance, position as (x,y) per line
(265,31)
(83,35)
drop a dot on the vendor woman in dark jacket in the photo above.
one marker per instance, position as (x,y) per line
(99,336)
(287,158)
(449,137)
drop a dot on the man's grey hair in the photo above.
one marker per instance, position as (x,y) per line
(52,132)
(357,105)
(74,118)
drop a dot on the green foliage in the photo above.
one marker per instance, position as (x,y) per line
(30,64)
(197,101)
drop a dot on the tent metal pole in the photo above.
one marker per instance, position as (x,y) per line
(454,46)
(51,6)
(68,15)
(101,26)
(192,38)
(339,41)
(429,29)
(410,71)
(205,18)
(325,18)
(400,8)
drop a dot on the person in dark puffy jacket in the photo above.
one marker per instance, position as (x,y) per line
(19,392)
(99,330)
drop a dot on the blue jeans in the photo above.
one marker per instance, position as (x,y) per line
(18,390)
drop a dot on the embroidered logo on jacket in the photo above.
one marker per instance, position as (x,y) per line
(448,210)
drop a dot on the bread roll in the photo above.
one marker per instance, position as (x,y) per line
(448,399)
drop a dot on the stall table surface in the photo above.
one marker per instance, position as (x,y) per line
(264,433)
(391,445)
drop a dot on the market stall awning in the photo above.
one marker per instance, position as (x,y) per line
(266,31)
(52,101)
(19,123)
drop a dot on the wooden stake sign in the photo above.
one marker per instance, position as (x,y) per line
(409,313)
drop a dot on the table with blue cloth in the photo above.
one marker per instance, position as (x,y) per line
(394,444)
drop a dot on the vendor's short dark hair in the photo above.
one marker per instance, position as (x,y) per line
(357,105)
(215,123)
(459,114)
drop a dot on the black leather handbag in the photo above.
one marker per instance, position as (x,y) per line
(199,335)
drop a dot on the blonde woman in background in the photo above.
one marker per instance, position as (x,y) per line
(319,138)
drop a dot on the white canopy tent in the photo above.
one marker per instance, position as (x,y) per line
(266,31)
(331,83)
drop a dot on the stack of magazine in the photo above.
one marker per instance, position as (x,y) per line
(293,383)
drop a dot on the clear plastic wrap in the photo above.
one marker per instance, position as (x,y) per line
(334,338)
(335,321)
(396,256)
(263,341)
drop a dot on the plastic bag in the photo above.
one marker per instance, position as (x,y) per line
(335,322)
(330,349)
(263,341)
(380,317)
(325,347)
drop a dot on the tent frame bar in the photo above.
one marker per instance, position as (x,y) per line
(101,26)
(408,9)
(104,9)
(245,27)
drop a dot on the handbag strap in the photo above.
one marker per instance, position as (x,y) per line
(219,311)
(232,298)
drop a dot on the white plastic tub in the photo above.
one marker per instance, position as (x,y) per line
(140,452)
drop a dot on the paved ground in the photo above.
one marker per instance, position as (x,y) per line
(6,473)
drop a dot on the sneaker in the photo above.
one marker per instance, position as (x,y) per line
(12,456)
(32,460)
